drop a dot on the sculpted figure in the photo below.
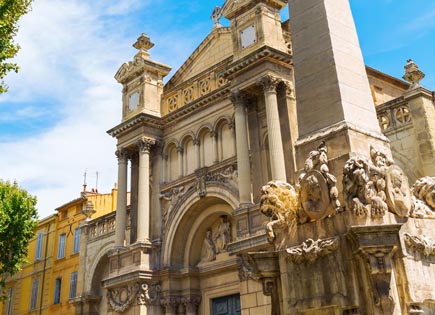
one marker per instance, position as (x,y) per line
(423,196)
(317,186)
(223,235)
(375,186)
(208,252)
(279,202)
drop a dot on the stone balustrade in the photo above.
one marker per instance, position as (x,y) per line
(394,115)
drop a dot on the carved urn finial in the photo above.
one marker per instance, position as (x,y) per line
(89,210)
(413,74)
(143,44)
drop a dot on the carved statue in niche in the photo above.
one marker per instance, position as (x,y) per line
(208,252)
(223,235)
(317,187)
(280,203)
(423,196)
(376,185)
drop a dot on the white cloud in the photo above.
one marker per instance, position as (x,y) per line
(70,51)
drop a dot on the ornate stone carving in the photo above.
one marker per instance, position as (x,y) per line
(191,303)
(317,187)
(170,304)
(148,293)
(122,155)
(413,74)
(279,202)
(216,16)
(420,244)
(223,235)
(120,299)
(269,83)
(310,250)
(246,268)
(208,251)
(145,144)
(170,200)
(423,196)
(375,186)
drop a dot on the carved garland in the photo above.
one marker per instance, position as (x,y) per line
(120,299)
(310,250)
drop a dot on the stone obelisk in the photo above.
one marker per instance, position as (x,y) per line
(334,102)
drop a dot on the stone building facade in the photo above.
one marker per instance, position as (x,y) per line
(258,104)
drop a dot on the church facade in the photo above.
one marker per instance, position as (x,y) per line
(271,174)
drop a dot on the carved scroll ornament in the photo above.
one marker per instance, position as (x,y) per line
(120,299)
(310,250)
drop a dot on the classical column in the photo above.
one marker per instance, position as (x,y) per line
(197,143)
(143,203)
(243,161)
(180,161)
(121,205)
(269,84)
(215,137)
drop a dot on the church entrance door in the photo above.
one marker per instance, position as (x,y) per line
(226,305)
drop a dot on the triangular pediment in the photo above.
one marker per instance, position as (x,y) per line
(214,49)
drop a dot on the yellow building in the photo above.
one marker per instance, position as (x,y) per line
(47,283)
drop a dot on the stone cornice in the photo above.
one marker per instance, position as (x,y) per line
(256,56)
(340,126)
(138,120)
(419,92)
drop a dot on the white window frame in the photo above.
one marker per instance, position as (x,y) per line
(76,247)
(39,239)
(61,247)
(73,285)
(57,290)
(34,294)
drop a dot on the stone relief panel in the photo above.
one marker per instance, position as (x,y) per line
(217,237)
(420,244)
(423,196)
(310,250)
(375,186)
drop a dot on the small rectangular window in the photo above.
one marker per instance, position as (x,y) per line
(57,287)
(73,285)
(76,248)
(34,294)
(61,248)
(10,301)
(39,239)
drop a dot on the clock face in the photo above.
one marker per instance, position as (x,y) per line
(133,101)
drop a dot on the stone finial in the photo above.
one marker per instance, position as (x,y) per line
(143,44)
(89,210)
(413,74)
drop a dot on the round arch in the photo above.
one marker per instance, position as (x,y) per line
(99,257)
(186,217)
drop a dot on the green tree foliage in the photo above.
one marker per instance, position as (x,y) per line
(10,12)
(18,219)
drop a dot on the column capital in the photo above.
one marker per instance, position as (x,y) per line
(213,134)
(145,144)
(269,83)
(122,155)
(196,141)
(289,88)
(239,98)
(180,149)
(191,303)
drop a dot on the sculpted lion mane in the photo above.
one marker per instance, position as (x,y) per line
(279,202)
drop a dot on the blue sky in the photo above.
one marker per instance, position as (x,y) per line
(53,121)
